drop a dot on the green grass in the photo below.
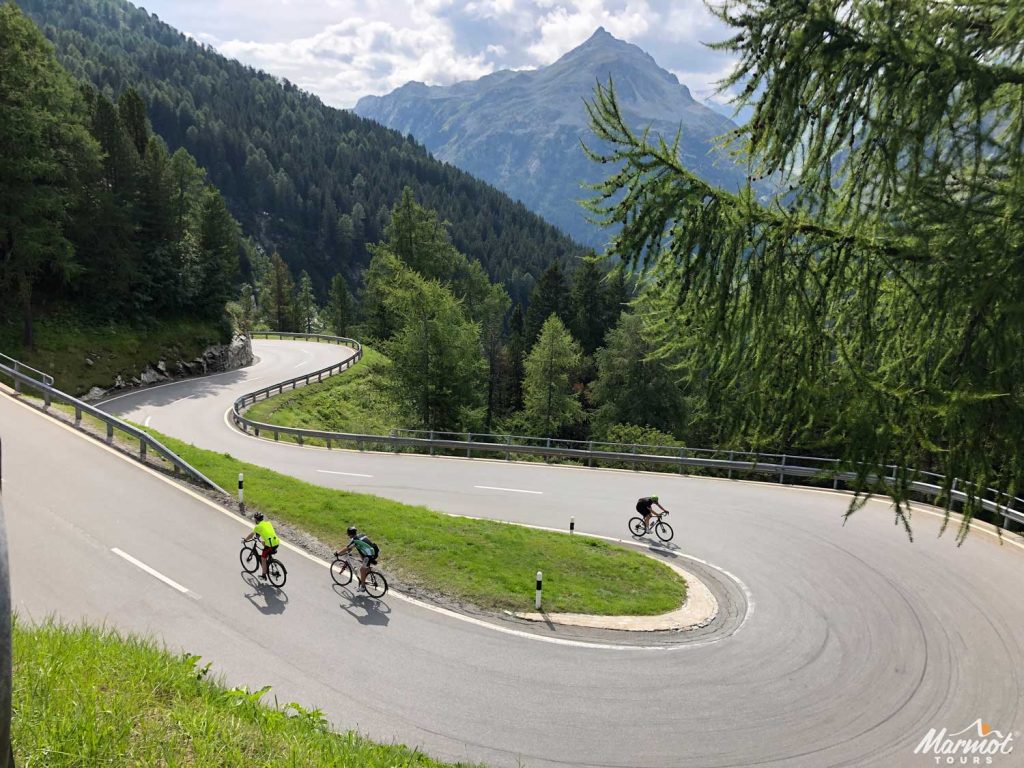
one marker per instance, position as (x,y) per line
(355,401)
(63,343)
(487,564)
(88,697)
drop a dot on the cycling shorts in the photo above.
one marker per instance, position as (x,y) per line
(268,551)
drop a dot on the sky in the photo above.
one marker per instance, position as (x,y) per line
(344,49)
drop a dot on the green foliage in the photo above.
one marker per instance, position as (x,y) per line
(91,210)
(549,297)
(437,370)
(339,306)
(44,149)
(277,296)
(311,182)
(306,316)
(88,696)
(876,312)
(550,402)
(633,388)
(480,562)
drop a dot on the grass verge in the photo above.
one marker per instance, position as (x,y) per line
(64,343)
(356,401)
(87,696)
(486,564)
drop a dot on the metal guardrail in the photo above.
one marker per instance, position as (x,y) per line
(779,466)
(146,443)
(20,367)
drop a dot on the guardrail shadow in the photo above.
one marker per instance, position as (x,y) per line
(202,387)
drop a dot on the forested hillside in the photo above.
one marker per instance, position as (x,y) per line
(95,214)
(315,183)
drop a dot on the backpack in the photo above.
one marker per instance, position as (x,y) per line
(376,549)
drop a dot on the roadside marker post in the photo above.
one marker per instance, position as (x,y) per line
(572,525)
(241,492)
(540,577)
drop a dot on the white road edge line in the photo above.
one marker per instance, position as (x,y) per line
(510,490)
(151,571)
(146,422)
(347,474)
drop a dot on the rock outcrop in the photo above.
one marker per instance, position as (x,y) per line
(221,357)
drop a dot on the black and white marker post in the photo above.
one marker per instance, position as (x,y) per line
(539,579)
(241,492)
(572,525)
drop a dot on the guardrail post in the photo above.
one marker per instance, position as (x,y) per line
(782,471)
(431,442)
(730,468)
(590,450)
(46,398)
(634,455)
(110,433)
(78,416)
(277,435)
(328,443)
(469,439)
(682,456)
(508,450)
(394,439)
(142,449)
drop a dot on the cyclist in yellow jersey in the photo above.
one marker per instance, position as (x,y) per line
(265,531)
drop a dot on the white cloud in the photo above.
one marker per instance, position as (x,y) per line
(344,49)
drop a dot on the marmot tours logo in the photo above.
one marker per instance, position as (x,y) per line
(977,744)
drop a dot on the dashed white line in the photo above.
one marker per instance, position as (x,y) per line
(510,490)
(347,474)
(151,571)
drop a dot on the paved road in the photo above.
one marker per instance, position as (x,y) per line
(859,642)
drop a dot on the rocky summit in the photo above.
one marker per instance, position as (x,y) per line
(521,130)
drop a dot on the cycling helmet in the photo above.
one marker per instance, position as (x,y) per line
(258,517)
(352,530)
(654,498)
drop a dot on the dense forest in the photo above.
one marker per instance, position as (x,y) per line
(94,211)
(314,183)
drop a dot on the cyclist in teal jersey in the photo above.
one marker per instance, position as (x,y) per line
(367,550)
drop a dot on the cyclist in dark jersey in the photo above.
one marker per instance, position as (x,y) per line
(367,550)
(645,507)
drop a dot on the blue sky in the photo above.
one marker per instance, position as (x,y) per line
(344,49)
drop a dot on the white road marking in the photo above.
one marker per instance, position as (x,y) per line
(146,422)
(347,474)
(150,571)
(510,490)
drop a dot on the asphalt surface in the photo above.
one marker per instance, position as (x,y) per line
(857,641)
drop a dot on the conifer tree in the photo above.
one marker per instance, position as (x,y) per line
(550,402)
(305,304)
(339,306)
(875,309)
(550,296)
(276,296)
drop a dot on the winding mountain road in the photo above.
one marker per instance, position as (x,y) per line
(856,643)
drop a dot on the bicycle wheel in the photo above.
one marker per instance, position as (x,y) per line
(664,531)
(637,526)
(277,574)
(341,572)
(250,560)
(376,584)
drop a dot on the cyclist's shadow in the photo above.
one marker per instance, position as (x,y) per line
(274,600)
(368,611)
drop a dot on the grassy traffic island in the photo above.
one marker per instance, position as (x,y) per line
(86,696)
(480,563)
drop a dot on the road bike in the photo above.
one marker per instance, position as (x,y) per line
(661,529)
(342,570)
(250,555)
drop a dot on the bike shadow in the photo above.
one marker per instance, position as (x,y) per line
(664,548)
(274,600)
(368,611)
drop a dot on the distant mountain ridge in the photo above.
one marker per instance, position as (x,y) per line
(521,131)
